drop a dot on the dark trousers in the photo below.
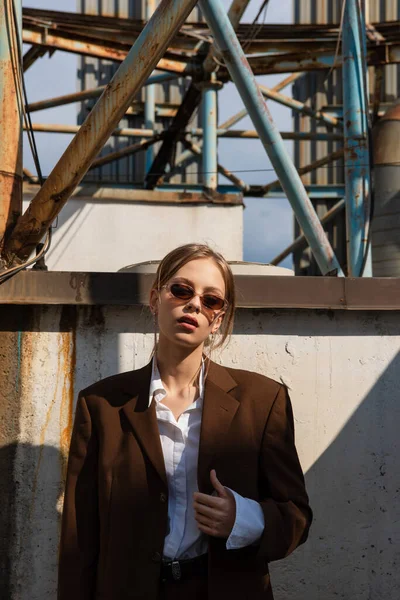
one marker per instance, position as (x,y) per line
(195,588)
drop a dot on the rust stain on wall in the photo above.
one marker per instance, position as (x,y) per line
(68,350)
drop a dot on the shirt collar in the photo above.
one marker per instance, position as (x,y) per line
(156,385)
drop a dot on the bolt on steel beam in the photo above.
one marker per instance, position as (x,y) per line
(102,120)
(11,173)
(357,163)
(242,76)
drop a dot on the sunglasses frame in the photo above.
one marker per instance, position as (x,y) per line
(201,296)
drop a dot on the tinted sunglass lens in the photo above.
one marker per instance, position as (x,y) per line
(183,292)
(213,302)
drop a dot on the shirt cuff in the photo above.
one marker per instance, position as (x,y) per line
(249,523)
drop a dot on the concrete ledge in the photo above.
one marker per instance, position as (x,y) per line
(254,291)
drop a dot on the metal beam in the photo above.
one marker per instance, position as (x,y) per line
(32,55)
(197,151)
(102,120)
(300,242)
(150,99)
(300,107)
(124,152)
(184,156)
(11,174)
(210,138)
(236,11)
(101,51)
(321,162)
(357,168)
(245,81)
(185,112)
(89,94)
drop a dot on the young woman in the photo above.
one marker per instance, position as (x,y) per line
(183,478)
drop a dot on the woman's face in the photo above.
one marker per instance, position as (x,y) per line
(189,322)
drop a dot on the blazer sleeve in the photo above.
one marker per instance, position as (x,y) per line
(80,521)
(284,499)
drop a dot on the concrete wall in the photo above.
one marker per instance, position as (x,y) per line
(343,372)
(106,236)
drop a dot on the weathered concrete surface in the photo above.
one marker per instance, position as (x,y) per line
(106,236)
(343,372)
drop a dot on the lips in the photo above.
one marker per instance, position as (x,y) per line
(189,320)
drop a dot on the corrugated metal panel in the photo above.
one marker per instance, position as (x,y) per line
(94,72)
(317,90)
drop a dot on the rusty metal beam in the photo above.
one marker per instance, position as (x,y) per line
(101,51)
(257,291)
(236,11)
(124,152)
(102,120)
(185,112)
(300,242)
(32,55)
(11,174)
(321,162)
(88,94)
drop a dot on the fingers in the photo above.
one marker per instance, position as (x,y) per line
(208,511)
(207,500)
(217,484)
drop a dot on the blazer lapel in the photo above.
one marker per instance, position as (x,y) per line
(143,420)
(219,408)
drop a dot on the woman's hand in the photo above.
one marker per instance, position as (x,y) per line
(215,515)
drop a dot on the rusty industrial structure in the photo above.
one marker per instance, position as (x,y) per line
(203,56)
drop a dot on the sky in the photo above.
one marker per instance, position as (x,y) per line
(268,222)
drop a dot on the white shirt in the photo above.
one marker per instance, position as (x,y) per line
(180,444)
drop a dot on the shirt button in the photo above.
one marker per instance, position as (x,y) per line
(156,557)
(163,497)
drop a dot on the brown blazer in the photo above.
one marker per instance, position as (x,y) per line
(116,497)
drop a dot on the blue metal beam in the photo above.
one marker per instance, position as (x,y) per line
(209,124)
(243,77)
(355,121)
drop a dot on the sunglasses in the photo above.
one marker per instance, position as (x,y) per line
(184,292)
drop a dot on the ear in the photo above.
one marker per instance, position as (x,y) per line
(153,301)
(217,323)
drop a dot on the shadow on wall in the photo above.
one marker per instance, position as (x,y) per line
(30,498)
(353,551)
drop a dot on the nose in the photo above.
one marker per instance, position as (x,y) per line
(195,303)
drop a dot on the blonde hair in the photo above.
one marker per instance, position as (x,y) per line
(177,258)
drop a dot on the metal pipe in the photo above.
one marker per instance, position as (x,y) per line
(11,173)
(127,151)
(102,120)
(300,107)
(197,151)
(149,98)
(357,171)
(248,134)
(88,94)
(102,51)
(184,156)
(321,162)
(236,11)
(245,81)
(209,122)
(300,242)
